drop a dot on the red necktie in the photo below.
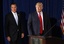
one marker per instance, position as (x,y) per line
(41,27)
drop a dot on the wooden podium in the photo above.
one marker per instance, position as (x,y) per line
(42,40)
(37,40)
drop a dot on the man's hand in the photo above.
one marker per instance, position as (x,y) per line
(61,26)
(8,38)
(22,35)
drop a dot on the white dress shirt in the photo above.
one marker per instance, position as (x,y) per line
(15,16)
(42,19)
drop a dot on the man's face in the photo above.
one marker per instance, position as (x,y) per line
(13,8)
(39,7)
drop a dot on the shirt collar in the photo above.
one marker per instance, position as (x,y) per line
(13,12)
(40,12)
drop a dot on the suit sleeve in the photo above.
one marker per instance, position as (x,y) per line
(7,26)
(29,24)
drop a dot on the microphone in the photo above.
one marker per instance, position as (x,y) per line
(51,28)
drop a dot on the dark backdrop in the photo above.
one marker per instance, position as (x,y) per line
(53,8)
(1,22)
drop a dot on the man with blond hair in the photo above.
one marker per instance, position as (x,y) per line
(38,22)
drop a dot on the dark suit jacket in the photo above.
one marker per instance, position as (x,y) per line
(33,24)
(11,28)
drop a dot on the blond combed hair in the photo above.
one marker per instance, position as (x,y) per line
(39,3)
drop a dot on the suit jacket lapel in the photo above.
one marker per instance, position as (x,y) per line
(18,17)
(44,17)
(38,22)
(13,18)
(36,16)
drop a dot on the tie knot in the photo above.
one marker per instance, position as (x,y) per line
(39,13)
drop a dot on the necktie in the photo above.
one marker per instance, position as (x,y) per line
(41,29)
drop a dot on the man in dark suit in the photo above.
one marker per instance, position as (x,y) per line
(38,22)
(13,25)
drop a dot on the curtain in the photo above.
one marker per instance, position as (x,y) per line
(53,8)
